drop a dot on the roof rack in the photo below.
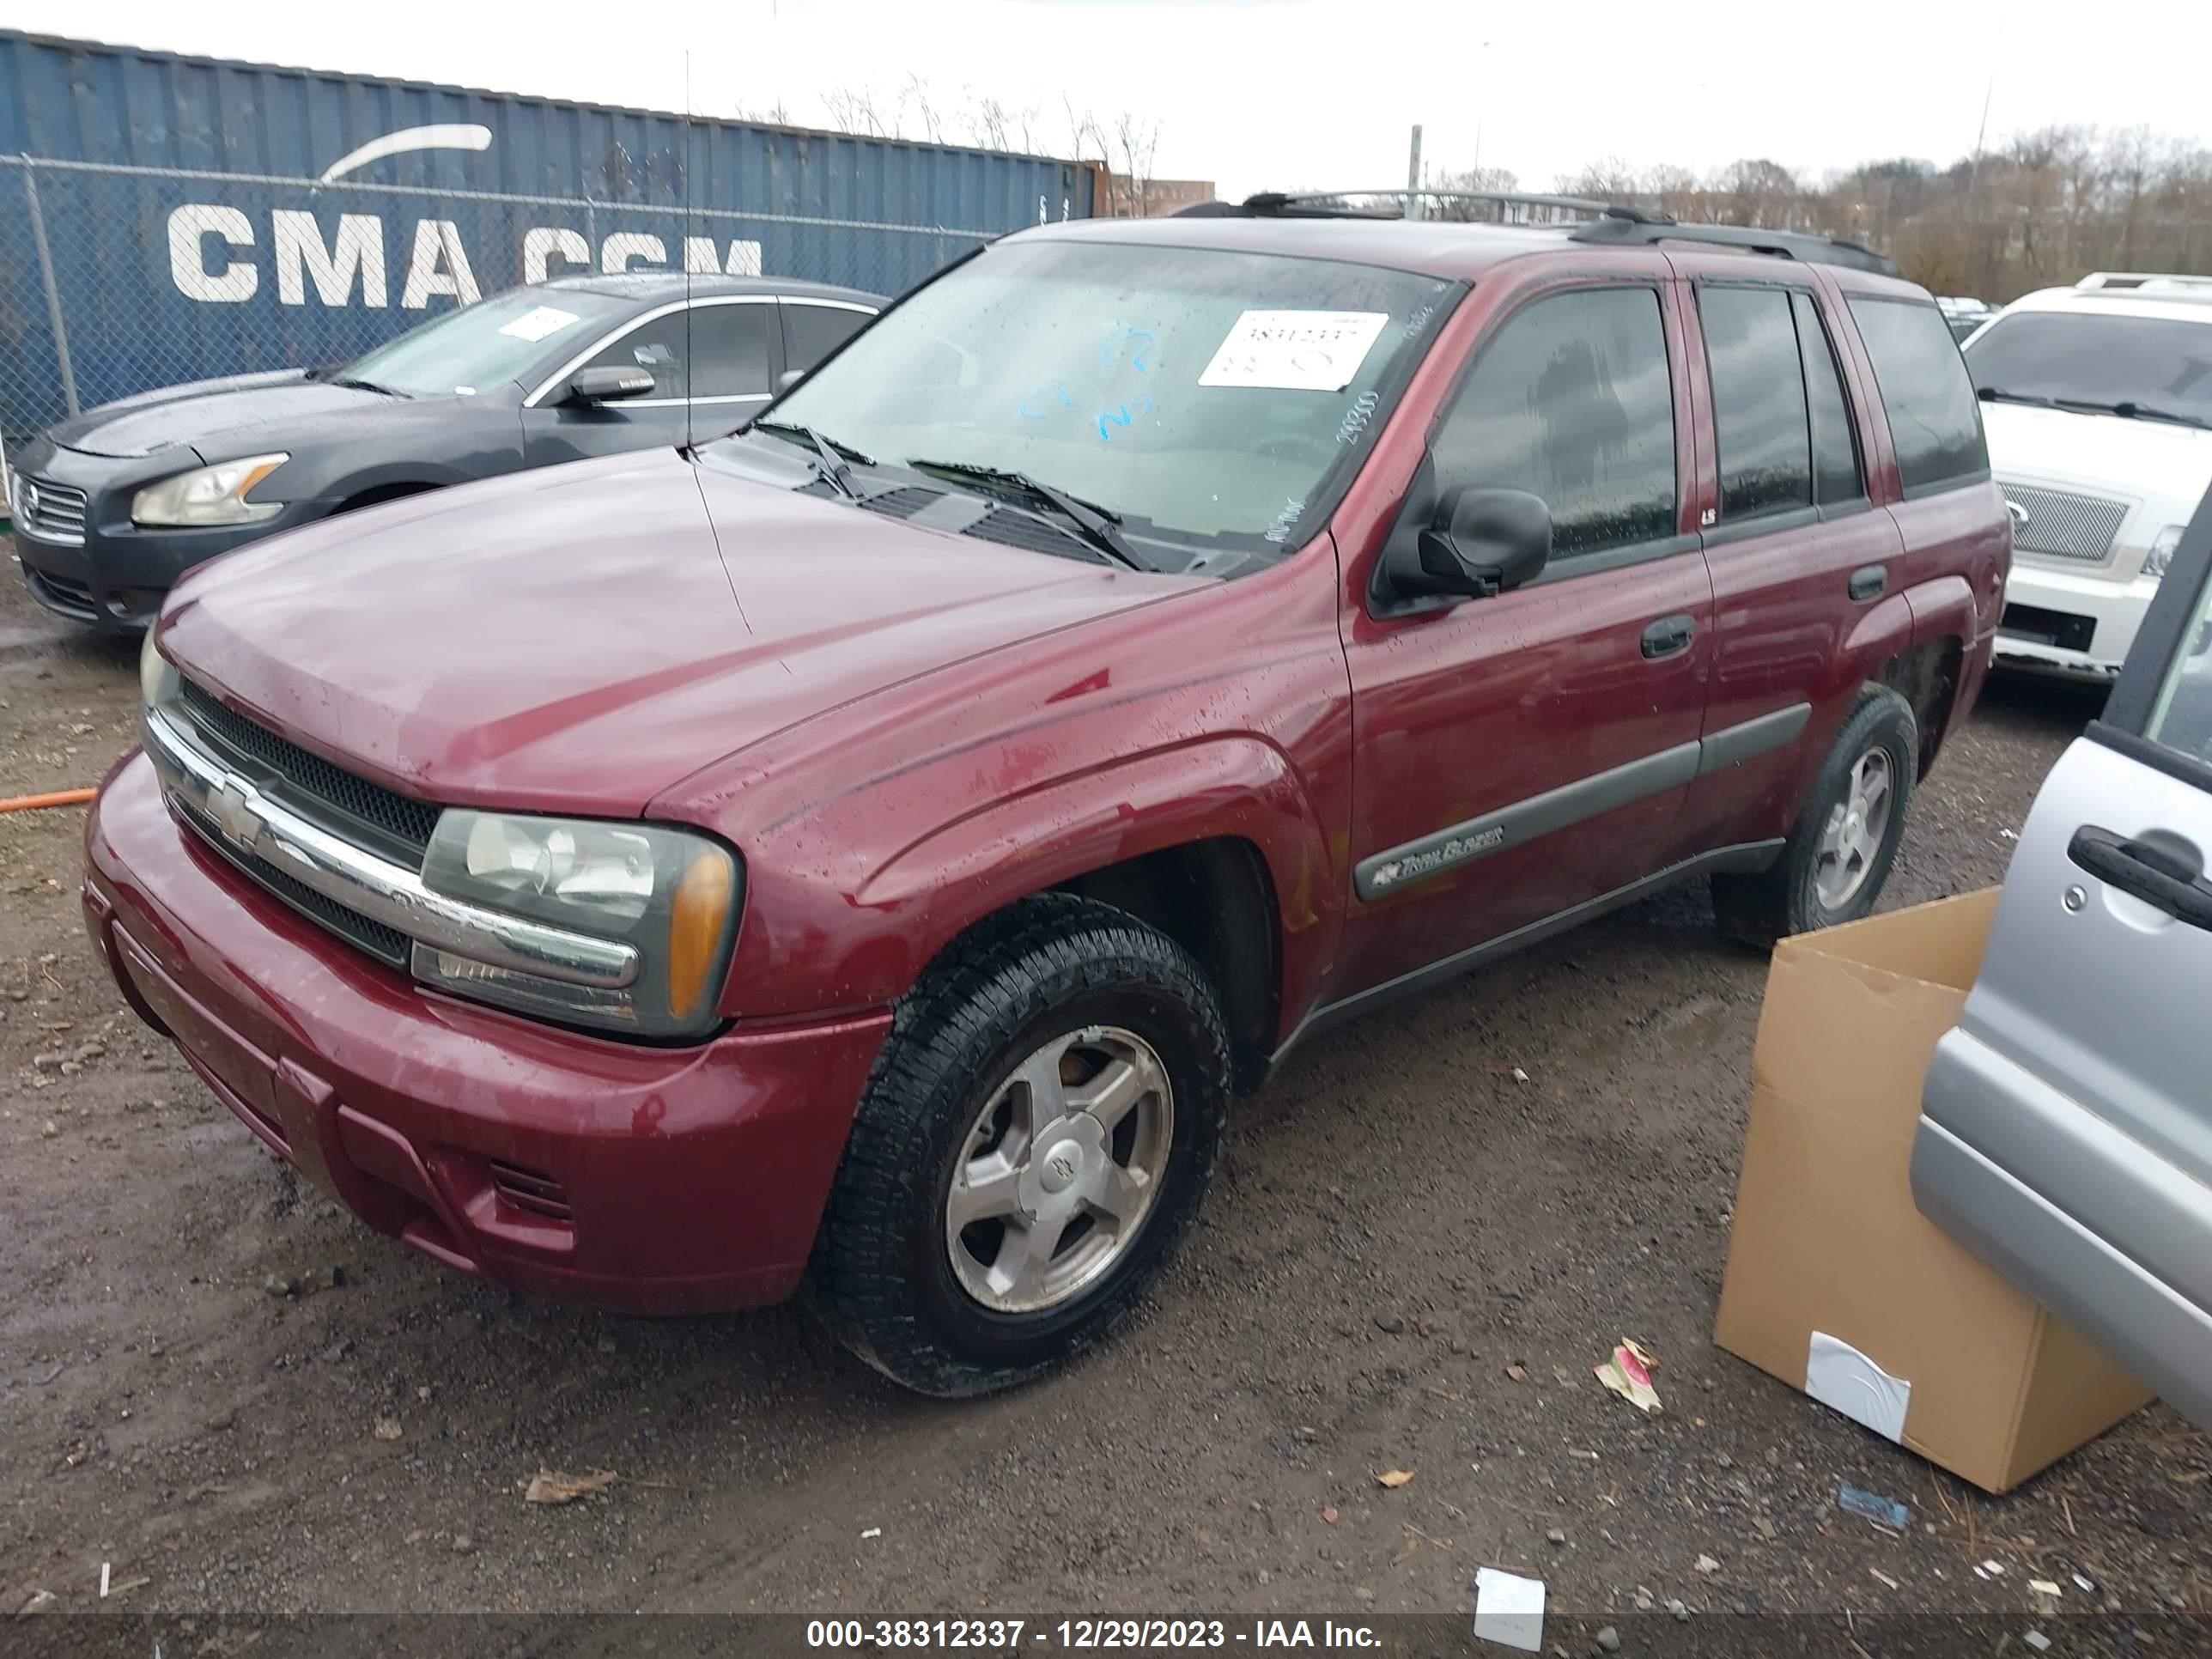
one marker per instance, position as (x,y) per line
(1614,224)
(1331,204)
(2137,282)
(1621,232)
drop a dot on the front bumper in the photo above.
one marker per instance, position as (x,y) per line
(582,1168)
(2071,622)
(115,576)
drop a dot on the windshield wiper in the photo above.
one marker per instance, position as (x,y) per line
(830,456)
(360,385)
(2127,409)
(1989,394)
(1098,527)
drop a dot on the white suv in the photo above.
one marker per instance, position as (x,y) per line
(2098,403)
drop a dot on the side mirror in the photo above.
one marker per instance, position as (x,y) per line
(608,385)
(1483,543)
(789,378)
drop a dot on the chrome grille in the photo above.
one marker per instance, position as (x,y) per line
(51,512)
(386,944)
(2061,525)
(311,782)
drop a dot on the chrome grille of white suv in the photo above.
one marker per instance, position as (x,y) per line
(2063,525)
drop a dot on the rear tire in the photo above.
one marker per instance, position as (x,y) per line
(1030,1152)
(1840,850)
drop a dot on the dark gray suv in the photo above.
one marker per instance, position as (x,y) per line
(112,506)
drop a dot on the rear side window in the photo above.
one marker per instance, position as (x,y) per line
(1934,420)
(729,350)
(1572,400)
(1760,421)
(1836,473)
(813,333)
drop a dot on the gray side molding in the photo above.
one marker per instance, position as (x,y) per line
(1736,743)
(1402,866)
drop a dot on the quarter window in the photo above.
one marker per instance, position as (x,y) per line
(1572,399)
(1934,420)
(1760,420)
(813,333)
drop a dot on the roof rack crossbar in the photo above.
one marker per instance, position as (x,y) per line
(1747,239)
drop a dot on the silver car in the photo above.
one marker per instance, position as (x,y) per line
(2066,1127)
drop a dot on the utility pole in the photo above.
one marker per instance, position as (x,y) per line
(1974,174)
(1413,176)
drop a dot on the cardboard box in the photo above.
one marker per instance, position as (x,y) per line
(1835,1282)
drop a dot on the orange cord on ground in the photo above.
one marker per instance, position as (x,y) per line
(60,798)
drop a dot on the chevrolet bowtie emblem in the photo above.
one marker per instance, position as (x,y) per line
(233,813)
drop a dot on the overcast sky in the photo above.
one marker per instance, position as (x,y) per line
(1262,94)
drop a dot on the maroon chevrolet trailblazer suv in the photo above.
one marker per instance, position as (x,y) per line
(869,852)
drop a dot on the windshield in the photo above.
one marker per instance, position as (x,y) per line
(481,345)
(2157,364)
(1194,393)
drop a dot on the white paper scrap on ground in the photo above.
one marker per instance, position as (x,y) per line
(1843,1379)
(1509,1610)
(1295,351)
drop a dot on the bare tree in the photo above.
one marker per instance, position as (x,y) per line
(1468,179)
(1136,143)
(991,126)
(2027,210)
(1608,178)
(1758,193)
(855,110)
(2036,208)
(915,95)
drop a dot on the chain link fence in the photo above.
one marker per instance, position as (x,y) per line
(117,280)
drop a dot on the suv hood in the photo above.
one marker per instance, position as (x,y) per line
(578,639)
(2165,468)
(209,416)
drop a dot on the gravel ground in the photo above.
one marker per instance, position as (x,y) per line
(1412,1262)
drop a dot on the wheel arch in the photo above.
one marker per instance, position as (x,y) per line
(1214,843)
(1927,676)
(1905,643)
(1214,897)
(359,493)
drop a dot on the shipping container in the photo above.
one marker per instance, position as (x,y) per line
(165,218)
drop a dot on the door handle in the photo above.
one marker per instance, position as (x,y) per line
(1669,635)
(1866,583)
(2144,871)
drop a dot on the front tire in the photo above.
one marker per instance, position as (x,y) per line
(1840,850)
(1030,1152)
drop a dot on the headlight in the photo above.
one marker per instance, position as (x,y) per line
(211,495)
(157,678)
(671,894)
(2161,551)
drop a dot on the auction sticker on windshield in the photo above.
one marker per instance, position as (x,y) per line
(540,323)
(1295,351)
